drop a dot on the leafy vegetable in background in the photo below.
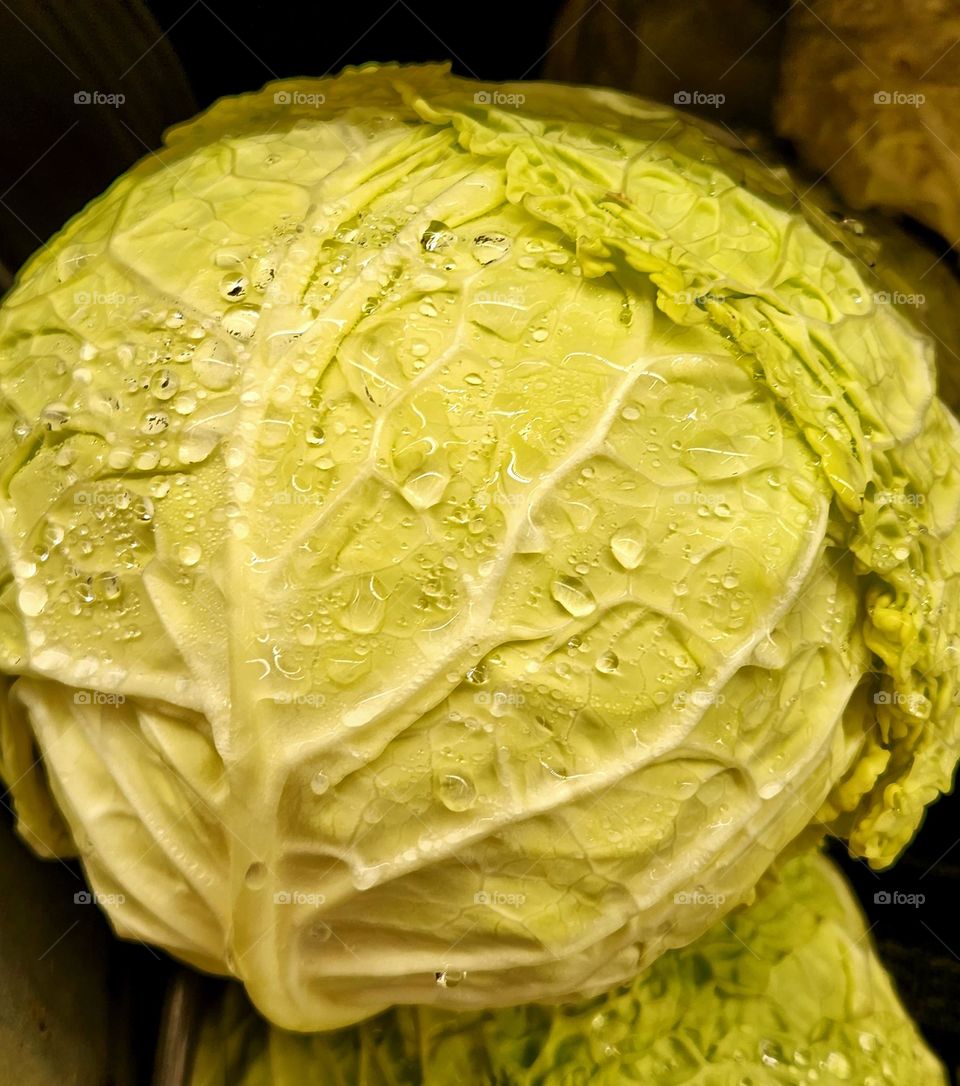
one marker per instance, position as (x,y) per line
(721,60)
(789,990)
(868,92)
(456,537)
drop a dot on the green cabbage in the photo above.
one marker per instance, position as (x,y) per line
(787,991)
(462,533)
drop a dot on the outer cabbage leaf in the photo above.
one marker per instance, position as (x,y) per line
(788,990)
(439,533)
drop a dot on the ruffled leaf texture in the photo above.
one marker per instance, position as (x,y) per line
(440,529)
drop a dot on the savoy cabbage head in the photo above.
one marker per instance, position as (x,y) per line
(454,539)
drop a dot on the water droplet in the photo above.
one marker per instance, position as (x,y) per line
(33,599)
(837,1064)
(425,489)
(233,286)
(608,662)
(436,236)
(154,422)
(55,416)
(449,978)
(53,535)
(319,784)
(490,247)
(573,596)
(190,554)
(214,367)
(629,544)
(108,585)
(240,321)
(164,384)
(364,613)
(457,793)
(197,444)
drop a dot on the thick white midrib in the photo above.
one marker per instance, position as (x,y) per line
(253,773)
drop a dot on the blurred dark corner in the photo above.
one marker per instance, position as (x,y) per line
(77,1006)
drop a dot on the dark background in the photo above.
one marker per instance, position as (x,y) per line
(172,57)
